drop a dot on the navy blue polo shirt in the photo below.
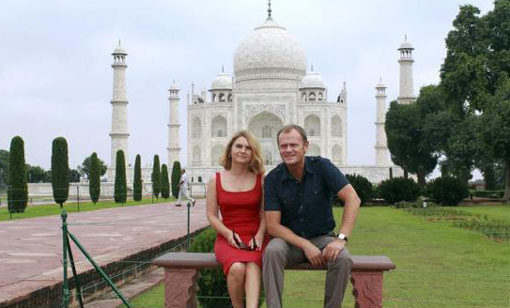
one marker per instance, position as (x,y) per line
(305,206)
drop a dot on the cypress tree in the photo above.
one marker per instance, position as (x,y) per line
(165,184)
(17,193)
(176,178)
(60,170)
(94,178)
(137,182)
(120,186)
(156,177)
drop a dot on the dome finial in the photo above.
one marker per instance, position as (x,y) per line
(269,10)
(222,68)
(311,67)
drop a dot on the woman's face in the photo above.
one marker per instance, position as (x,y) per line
(241,151)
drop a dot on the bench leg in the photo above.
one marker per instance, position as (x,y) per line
(367,289)
(181,288)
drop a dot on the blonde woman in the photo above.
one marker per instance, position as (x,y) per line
(236,192)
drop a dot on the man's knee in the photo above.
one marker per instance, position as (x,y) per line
(276,250)
(343,261)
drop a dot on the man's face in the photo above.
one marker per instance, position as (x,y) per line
(292,147)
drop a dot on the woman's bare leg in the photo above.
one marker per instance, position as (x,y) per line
(252,285)
(235,284)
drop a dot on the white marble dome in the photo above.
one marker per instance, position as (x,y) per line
(222,81)
(312,80)
(269,52)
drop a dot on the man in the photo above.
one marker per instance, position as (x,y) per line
(298,195)
(183,189)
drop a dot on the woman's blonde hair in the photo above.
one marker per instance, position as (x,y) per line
(257,161)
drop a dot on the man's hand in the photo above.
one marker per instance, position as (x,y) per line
(333,249)
(313,254)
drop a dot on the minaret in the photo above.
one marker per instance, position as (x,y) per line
(173,126)
(381,145)
(406,92)
(119,103)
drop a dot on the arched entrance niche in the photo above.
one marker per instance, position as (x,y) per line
(265,126)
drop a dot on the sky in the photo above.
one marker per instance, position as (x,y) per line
(56,76)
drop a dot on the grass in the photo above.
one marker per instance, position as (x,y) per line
(492,212)
(54,209)
(438,265)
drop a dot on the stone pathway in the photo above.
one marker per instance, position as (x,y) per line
(31,249)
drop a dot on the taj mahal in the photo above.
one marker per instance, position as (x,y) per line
(271,86)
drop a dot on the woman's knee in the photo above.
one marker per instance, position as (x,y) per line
(237,270)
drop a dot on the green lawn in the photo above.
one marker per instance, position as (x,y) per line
(438,265)
(54,209)
(492,211)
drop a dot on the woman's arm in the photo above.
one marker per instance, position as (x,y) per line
(213,213)
(262,226)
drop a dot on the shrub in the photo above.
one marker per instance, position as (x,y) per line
(399,189)
(362,186)
(94,178)
(165,185)
(447,190)
(137,181)
(60,170)
(156,177)
(120,185)
(212,285)
(17,193)
(176,178)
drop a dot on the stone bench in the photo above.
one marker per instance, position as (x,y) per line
(181,274)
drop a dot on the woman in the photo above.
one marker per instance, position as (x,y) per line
(236,192)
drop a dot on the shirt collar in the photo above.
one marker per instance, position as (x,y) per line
(285,172)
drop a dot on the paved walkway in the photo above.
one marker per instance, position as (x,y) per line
(31,249)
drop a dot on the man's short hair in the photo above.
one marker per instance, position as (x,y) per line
(183,170)
(288,128)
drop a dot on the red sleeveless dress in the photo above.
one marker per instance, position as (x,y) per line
(240,212)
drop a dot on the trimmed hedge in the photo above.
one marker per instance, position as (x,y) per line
(17,193)
(447,190)
(212,285)
(362,186)
(399,189)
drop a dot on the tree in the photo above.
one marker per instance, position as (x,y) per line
(137,182)
(165,185)
(4,167)
(37,174)
(17,193)
(120,185)
(408,145)
(74,176)
(156,177)
(60,170)
(475,70)
(94,178)
(495,130)
(85,166)
(176,178)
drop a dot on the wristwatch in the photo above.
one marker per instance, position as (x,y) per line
(343,237)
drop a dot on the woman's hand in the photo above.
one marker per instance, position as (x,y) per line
(259,239)
(231,241)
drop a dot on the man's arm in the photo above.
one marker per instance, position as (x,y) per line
(351,206)
(276,229)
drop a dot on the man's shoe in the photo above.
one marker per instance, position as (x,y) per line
(178,204)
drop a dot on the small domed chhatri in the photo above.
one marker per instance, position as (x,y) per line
(312,80)
(223,81)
